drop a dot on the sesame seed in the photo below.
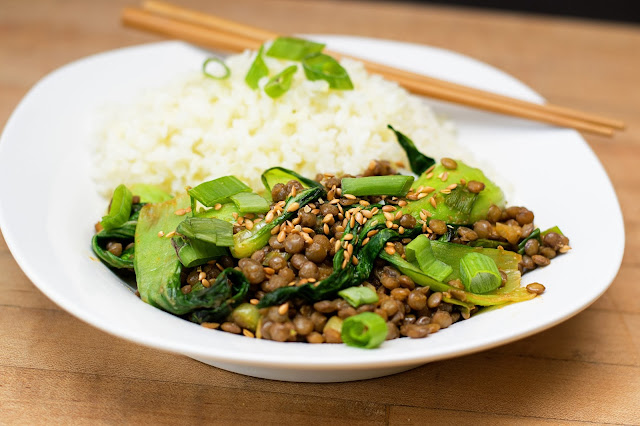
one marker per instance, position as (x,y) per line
(390,250)
(365,241)
(445,176)
(248,224)
(452,186)
(269,217)
(269,271)
(372,233)
(401,230)
(422,195)
(180,212)
(315,211)
(211,325)
(354,260)
(281,236)
(283,309)
(331,195)
(445,191)
(295,221)
(388,208)
(463,182)
(344,262)
(423,215)
(311,280)
(364,203)
(348,237)
(307,238)
(206,283)
(170,234)
(291,284)
(275,230)
(254,301)
(202,276)
(218,206)
(359,218)
(402,203)
(388,216)
(564,249)
(350,249)
(367,213)
(429,175)
(428,189)
(350,196)
(294,191)
(433,202)
(398,215)
(293,207)
(161,234)
(325,229)
(352,222)
(389,224)
(336,246)
(412,197)
(334,201)
(430,169)
(235,215)
(248,333)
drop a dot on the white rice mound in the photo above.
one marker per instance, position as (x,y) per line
(198,129)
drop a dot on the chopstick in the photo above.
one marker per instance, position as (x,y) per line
(213,31)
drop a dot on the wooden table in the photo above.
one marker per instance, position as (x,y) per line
(55,368)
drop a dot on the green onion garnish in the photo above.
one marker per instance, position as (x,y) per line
(323,67)
(419,250)
(280,83)
(119,209)
(227,71)
(553,229)
(534,234)
(208,230)
(248,202)
(418,161)
(257,70)
(357,296)
(218,190)
(395,185)
(479,273)
(366,330)
(275,175)
(294,49)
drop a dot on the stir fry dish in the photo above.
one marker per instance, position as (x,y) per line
(354,259)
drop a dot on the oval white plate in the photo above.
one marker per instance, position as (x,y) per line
(49,205)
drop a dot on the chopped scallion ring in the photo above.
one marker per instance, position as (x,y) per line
(227,71)
(323,67)
(280,83)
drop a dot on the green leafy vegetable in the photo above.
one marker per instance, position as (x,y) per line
(193,253)
(294,49)
(396,185)
(461,199)
(149,193)
(365,330)
(207,230)
(418,161)
(276,175)
(357,296)
(479,273)
(218,190)
(257,70)
(119,210)
(225,75)
(280,83)
(248,202)
(323,67)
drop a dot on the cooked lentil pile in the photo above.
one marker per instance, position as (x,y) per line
(301,251)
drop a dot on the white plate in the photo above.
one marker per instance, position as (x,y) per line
(49,205)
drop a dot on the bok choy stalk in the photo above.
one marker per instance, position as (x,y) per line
(158,268)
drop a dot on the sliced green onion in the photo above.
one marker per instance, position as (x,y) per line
(419,250)
(149,193)
(257,70)
(192,253)
(218,190)
(280,83)
(486,243)
(119,210)
(534,234)
(227,71)
(366,330)
(208,230)
(334,323)
(276,175)
(246,316)
(395,185)
(357,296)
(461,199)
(294,49)
(418,161)
(479,273)
(323,67)
(248,202)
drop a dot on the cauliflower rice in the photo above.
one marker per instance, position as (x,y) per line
(198,129)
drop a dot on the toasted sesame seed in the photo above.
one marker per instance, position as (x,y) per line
(375,210)
(269,217)
(430,169)
(211,325)
(291,284)
(388,244)
(338,191)
(293,207)
(218,206)
(294,191)
(352,222)
(445,191)
(401,230)
(331,195)
(283,309)
(389,224)
(315,211)
(202,276)
(429,175)
(275,230)
(248,224)
(180,212)
(350,196)
(325,229)
(254,301)
(398,215)
(311,280)
(348,237)
(334,201)
(367,213)
(364,203)
(463,181)
(235,215)
(359,218)
(365,241)
(432,200)
(388,208)
(429,230)
(161,234)
(412,197)
(248,333)
(395,226)
(281,236)
(296,221)
(306,237)
(390,250)
(388,216)
(350,249)
(354,260)
(269,271)
(336,246)
(170,234)
(564,249)
(445,176)
(402,203)
(206,283)
(422,195)
(344,262)
(423,215)
(452,186)
(219,266)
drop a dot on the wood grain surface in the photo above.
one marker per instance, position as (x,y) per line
(56,369)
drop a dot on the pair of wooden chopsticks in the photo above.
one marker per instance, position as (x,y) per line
(215,32)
